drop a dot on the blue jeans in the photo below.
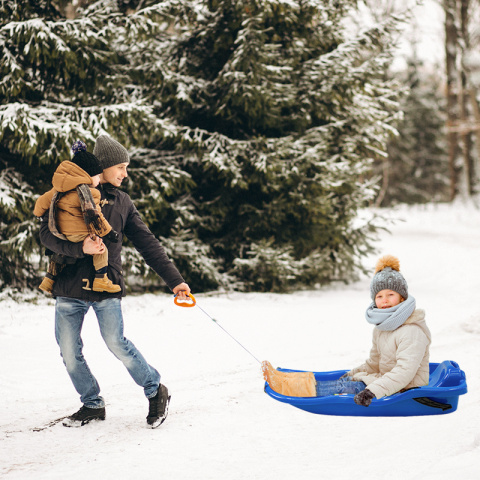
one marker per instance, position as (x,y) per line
(341,385)
(69,317)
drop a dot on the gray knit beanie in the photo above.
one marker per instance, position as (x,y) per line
(388,277)
(109,152)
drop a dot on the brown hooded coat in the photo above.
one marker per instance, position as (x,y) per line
(70,216)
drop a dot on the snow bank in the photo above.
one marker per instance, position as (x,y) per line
(221,423)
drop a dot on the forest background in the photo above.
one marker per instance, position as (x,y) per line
(261,133)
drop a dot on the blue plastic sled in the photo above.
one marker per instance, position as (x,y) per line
(439,397)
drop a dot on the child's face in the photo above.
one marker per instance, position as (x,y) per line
(387,299)
(95,180)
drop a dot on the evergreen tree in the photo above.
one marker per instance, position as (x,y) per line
(298,112)
(251,125)
(61,79)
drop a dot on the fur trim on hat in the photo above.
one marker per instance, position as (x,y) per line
(388,261)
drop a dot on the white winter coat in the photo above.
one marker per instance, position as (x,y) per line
(399,359)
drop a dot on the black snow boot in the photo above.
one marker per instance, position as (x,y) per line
(83,416)
(158,407)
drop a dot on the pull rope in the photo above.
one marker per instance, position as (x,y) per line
(190,304)
(229,334)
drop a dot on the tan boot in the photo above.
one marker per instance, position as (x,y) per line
(104,284)
(47,285)
(292,384)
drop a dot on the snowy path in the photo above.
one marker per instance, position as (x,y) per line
(221,424)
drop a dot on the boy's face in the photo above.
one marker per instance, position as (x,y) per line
(387,299)
(115,174)
(95,180)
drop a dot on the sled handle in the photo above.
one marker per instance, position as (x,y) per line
(185,303)
(429,402)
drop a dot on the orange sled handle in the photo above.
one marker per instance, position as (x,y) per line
(185,303)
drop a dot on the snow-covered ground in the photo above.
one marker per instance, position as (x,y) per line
(221,424)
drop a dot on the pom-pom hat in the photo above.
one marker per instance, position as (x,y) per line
(109,152)
(85,160)
(388,277)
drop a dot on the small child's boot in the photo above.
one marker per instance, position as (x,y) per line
(292,384)
(104,284)
(47,285)
(48,281)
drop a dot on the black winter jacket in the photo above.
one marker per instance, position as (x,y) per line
(76,279)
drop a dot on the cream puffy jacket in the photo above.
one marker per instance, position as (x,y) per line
(398,359)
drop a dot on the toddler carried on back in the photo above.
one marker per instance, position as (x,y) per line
(73,206)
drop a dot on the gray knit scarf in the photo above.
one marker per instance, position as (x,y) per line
(90,215)
(389,319)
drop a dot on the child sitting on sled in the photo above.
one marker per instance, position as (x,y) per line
(399,358)
(75,203)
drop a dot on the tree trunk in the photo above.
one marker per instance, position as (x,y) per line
(466,132)
(476,116)
(451,38)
